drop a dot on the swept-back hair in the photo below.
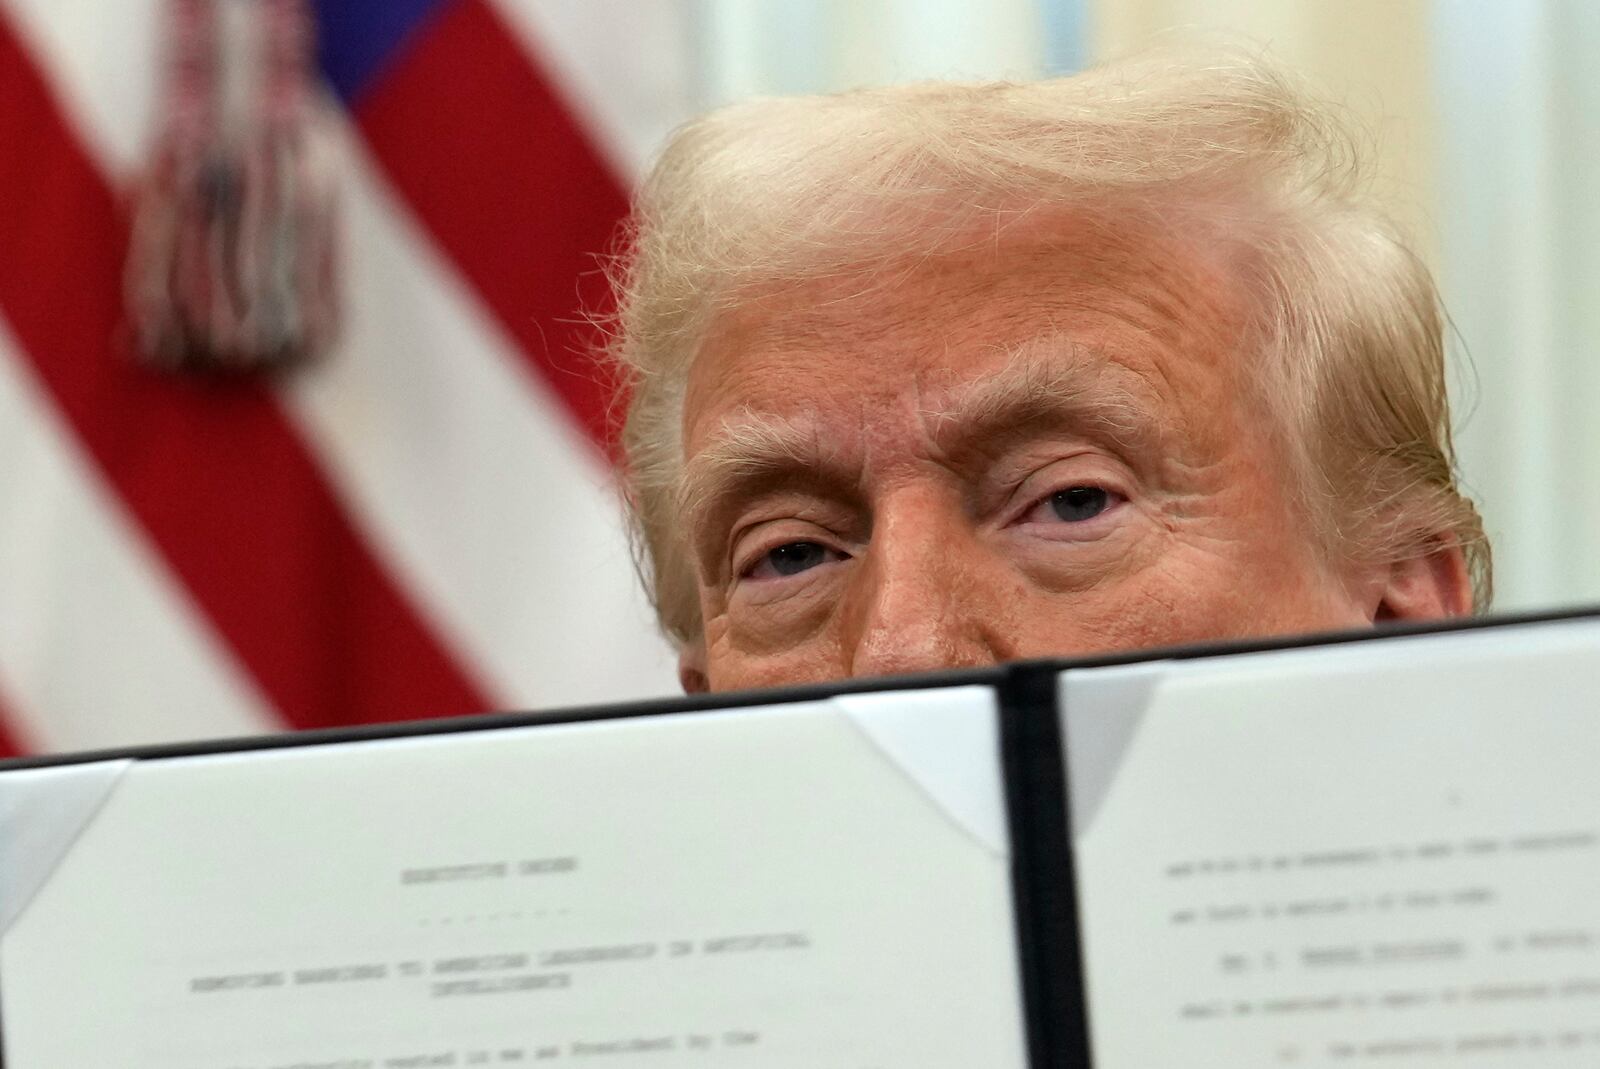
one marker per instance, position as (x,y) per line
(1346,332)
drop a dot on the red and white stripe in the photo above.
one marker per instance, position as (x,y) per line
(436,473)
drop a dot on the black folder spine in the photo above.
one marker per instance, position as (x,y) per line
(1042,870)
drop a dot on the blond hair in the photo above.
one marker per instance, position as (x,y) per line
(1347,326)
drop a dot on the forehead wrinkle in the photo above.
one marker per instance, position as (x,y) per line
(876,299)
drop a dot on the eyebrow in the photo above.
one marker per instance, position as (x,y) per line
(754,453)
(1039,390)
(1036,391)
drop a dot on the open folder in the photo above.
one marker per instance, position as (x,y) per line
(1364,851)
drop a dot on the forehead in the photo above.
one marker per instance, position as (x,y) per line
(1163,313)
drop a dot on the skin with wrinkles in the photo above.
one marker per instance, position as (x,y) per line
(868,493)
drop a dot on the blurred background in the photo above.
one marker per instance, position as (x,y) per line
(302,429)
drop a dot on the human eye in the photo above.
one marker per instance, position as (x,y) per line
(789,559)
(1076,505)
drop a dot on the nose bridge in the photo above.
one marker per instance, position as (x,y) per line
(920,606)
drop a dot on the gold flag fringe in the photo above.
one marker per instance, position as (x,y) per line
(232,261)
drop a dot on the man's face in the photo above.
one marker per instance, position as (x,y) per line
(1022,450)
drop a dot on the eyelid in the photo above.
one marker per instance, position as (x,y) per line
(799,516)
(1116,499)
(738,536)
(747,573)
(742,559)
(1084,468)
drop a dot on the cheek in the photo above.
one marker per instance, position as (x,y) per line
(1126,615)
(734,670)
(1203,590)
(736,660)
(1238,590)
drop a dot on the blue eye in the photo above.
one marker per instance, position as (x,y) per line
(795,557)
(1079,503)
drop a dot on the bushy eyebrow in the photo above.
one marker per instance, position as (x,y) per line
(752,453)
(1036,392)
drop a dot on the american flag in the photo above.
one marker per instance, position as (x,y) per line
(421,524)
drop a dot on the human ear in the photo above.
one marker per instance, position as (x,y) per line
(1431,584)
(692,675)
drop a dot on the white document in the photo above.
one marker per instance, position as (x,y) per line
(821,884)
(1382,854)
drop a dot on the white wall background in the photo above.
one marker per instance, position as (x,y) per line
(1518,93)
(758,47)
